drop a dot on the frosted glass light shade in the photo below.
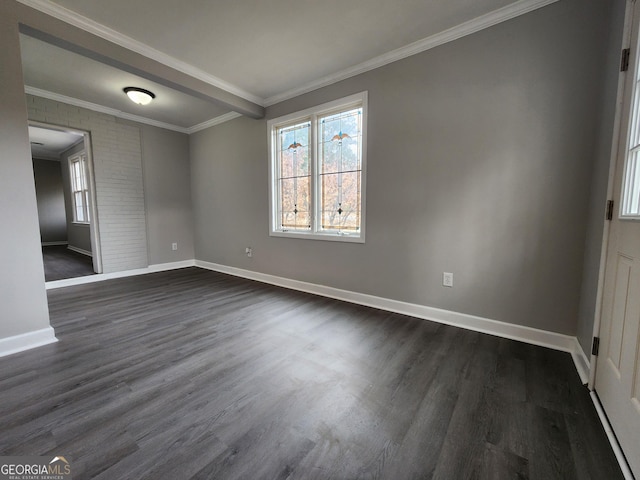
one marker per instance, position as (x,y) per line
(139,95)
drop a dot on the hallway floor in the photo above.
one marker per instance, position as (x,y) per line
(60,263)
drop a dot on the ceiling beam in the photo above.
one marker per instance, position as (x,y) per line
(61,34)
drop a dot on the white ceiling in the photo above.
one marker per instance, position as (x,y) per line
(47,143)
(263,51)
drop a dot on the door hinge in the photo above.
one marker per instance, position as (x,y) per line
(609,209)
(595,347)
(624,61)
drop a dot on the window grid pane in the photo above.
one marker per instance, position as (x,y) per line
(634,138)
(79,188)
(86,206)
(83,173)
(294,177)
(79,201)
(340,165)
(631,185)
(75,175)
(631,198)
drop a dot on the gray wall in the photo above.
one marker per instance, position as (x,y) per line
(79,234)
(52,217)
(23,299)
(165,158)
(480,160)
(597,203)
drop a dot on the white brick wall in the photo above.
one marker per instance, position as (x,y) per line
(117,161)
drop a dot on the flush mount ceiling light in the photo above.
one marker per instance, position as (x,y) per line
(139,95)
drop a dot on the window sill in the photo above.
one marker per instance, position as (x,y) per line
(81,224)
(330,237)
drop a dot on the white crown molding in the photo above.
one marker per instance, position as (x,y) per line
(129,43)
(27,341)
(213,122)
(472,26)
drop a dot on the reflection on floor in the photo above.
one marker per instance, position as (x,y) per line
(60,262)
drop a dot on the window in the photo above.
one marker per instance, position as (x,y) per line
(79,187)
(630,199)
(317,166)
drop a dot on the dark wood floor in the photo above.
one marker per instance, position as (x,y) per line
(60,263)
(192,374)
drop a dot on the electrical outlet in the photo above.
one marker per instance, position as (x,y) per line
(174,246)
(249,252)
(447,279)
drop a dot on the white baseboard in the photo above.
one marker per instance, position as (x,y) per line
(521,333)
(54,244)
(100,277)
(622,461)
(26,341)
(581,361)
(556,341)
(80,250)
(161,267)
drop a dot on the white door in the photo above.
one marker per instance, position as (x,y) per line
(618,369)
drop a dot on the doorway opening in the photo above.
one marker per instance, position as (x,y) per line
(65,194)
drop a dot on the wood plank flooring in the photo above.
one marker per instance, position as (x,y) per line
(60,263)
(191,374)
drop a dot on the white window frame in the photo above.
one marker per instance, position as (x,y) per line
(312,114)
(82,160)
(629,208)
